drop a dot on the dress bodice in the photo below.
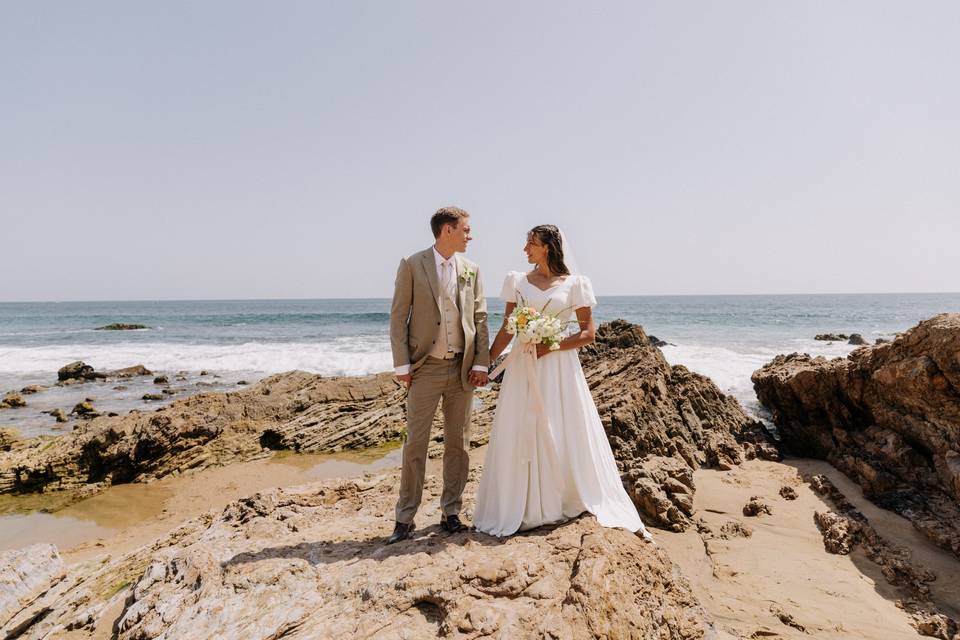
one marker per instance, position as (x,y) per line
(562,299)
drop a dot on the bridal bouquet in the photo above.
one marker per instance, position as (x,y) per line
(533,327)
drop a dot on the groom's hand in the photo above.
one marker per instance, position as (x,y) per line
(405,379)
(478,378)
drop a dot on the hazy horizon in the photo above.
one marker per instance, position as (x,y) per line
(238,151)
(610,295)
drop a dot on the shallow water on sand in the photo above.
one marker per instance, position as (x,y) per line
(174,499)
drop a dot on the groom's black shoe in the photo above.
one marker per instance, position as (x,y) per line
(401,532)
(452,524)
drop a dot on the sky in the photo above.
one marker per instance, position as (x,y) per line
(235,149)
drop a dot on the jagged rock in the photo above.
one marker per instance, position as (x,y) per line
(32,388)
(832,337)
(756,506)
(9,437)
(153,396)
(85,410)
(319,578)
(856,338)
(881,341)
(787,492)
(161,380)
(735,529)
(129,372)
(12,400)
(76,371)
(121,326)
(663,422)
(887,415)
(58,414)
(838,531)
(24,573)
(847,529)
(310,562)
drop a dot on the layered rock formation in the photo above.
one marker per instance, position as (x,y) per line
(310,563)
(662,421)
(210,429)
(887,415)
(24,575)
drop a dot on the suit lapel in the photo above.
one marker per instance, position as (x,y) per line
(430,269)
(461,288)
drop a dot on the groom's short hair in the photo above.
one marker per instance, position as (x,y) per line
(446,215)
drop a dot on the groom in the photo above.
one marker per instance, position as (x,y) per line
(441,351)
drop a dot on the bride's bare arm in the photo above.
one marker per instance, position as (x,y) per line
(503,338)
(588,333)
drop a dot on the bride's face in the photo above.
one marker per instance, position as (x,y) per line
(536,251)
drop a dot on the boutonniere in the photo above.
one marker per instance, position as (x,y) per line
(467,275)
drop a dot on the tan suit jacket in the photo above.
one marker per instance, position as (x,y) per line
(415,313)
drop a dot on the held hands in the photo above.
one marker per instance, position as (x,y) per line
(405,379)
(542,350)
(478,378)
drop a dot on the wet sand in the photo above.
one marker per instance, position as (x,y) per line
(745,583)
(127,516)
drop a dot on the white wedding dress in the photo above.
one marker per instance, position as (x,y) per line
(543,468)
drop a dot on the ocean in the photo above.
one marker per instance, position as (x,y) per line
(238,341)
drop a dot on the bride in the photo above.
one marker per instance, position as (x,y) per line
(548,458)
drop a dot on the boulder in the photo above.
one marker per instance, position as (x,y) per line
(12,400)
(85,410)
(856,339)
(32,388)
(129,372)
(121,326)
(161,380)
(832,337)
(77,371)
(887,415)
(58,414)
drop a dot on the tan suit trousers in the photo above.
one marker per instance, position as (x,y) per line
(433,381)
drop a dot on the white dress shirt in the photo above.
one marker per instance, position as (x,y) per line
(451,264)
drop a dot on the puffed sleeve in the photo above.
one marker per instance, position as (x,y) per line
(509,291)
(582,293)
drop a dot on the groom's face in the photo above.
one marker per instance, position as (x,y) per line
(460,234)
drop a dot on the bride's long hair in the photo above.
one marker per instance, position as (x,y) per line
(549,235)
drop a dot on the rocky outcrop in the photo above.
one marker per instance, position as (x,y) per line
(663,422)
(832,337)
(9,437)
(212,429)
(856,339)
(887,415)
(32,388)
(79,371)
(129,372)
(12,400)
(845,529)
(24,575)
(310,562)
(121,326)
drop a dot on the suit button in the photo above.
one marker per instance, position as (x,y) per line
(438,323)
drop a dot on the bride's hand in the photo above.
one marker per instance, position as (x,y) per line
(542,350)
